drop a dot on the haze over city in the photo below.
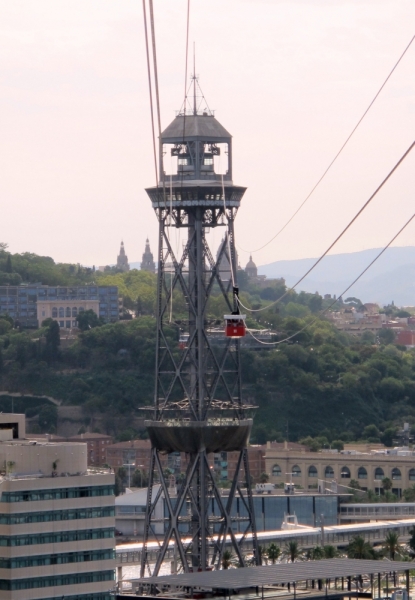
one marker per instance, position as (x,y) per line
(289,80)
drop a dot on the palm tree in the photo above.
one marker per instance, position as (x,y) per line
(358,548)
(273,552)
(317,553)
(330,552)
(227,559)
(391,544)
(292,551)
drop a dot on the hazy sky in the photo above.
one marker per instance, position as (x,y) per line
(289,79)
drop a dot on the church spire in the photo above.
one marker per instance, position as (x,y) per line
(122,259)
(147,262)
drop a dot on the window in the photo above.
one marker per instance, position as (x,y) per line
(379,474)
(54,580)
(61,312)
(362,473)
(54,312)
(328,472)
(74,311)
(411,474)
(208,161)
(396,474)
(312,471)
(81,309)
(182,161)
(61,323)
(68,324)
(276,471)
(296,471)
(345,473)
(68,311)
(58,494)
(73,323)
(56,537)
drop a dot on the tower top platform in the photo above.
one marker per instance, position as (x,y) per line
(201,126)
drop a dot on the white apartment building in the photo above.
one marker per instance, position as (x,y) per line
(56,520)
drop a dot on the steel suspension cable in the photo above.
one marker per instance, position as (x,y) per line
(150,92)
(321,313)
(336,156)
(357,215)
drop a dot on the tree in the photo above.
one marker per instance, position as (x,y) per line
(391,544)
(8,268)
(359,548)
(48,417)
(330,551)
(273,552)
(386,484)
(386,336)
(88,319)
(292,551)
(264,478)
(53,339)
(227,559)
(411,541)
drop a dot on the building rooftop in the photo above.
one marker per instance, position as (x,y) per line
(205,126)
(237,579)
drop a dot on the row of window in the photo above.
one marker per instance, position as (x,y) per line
(344,473)
(66,312)
(42,560)
(56,537)
(58,493)
(41,582)
(57,515)
(98,596)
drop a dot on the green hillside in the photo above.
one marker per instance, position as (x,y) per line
(323,383)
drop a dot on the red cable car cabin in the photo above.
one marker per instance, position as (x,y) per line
(235,326)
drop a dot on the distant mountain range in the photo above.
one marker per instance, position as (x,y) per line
(391,278)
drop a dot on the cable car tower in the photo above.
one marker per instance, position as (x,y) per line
(198,409)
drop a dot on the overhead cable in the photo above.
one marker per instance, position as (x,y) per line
(336,156)
(322,312)
(357,215)
(150,91)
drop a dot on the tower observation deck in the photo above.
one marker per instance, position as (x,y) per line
(198,408)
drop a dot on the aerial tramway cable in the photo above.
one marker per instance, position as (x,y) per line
(336,156)
(321,313)
(150,91)
(357,215)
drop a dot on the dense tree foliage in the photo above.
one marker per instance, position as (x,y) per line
(321,386)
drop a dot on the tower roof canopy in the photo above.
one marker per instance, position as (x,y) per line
(195,126)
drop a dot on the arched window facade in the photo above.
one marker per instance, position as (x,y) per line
(61,311)
(411,475)
(296,471)
(396,473)
(345,473)
(379,473)
(81,309)
(74,311)
(362,473)
(276,471)
(328,472)
(68,311)
(312,471)
(54,313)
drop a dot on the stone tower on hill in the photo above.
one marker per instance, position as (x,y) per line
(122,259)
(147,262)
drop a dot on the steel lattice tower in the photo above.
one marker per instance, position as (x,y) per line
(198,408)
